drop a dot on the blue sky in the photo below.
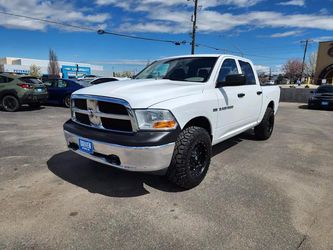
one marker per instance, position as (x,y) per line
(268,32)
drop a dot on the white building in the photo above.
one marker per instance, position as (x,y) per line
(68,69)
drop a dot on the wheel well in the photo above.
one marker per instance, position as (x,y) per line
(8,92)
(271,105)
(201,122)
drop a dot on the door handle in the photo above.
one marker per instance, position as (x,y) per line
(259,92)
(240,95)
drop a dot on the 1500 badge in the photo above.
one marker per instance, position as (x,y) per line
(223,108)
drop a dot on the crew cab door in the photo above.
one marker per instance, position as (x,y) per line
(252,100)
(231,110)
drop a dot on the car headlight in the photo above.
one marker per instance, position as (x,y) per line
(155,119)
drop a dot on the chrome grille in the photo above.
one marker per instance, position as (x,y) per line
(103,113)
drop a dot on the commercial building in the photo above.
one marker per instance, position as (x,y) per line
(67,69)
(324,68)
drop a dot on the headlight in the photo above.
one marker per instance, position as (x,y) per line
(154,119)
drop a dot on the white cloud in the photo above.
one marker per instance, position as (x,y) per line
(52,10)
(286,34)
(146,4)
(262,68)
(323,39)
(166,21)
(294,2)
(173,16)
(138,62)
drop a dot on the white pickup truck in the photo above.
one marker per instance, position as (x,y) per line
(168,117)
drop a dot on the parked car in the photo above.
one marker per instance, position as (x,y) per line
(60,90)
(103,80)
(87,78)
(322,97)
(16,90)
(170,115)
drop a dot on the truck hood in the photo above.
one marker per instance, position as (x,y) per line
(144,93)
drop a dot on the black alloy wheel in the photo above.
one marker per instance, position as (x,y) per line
(10,103)
(198,159)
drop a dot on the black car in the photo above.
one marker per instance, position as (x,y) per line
(103,80)
(322,98)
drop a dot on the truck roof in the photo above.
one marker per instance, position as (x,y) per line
(207,55)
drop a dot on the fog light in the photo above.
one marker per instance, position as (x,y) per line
(113,159)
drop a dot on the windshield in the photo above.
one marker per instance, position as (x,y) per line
(325,89)
(191,69)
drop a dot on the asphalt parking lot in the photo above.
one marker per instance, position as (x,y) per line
(276,194)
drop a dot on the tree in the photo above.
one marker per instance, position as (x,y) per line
(263,78)
(53,68)
(128,74)
(311,65)
(293,69)
(35,71)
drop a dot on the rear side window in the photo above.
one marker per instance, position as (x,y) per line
(248,72)
(31,80)
(4,79)
(229,67)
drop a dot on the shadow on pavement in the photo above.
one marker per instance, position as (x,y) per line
(305,106)
(315,108)
(223,146)
(25,108)
(109,181)
(104,179)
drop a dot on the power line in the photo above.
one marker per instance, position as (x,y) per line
(100,31)
(237,52)
(48,21)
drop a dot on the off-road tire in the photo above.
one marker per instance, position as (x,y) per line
(182,171)
(10,103)
(265,129)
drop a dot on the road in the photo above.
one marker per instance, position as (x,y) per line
(275,194)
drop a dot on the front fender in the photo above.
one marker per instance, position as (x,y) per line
(189,107)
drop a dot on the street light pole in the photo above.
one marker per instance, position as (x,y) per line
(194,21)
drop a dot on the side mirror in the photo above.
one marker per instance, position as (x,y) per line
(233,80)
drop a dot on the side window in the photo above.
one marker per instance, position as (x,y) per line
(62,84)
(160,70)
(229,67)
(50,83)
(4,79)
(248,72)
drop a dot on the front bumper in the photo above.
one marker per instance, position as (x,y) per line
(319,103)
(131,158)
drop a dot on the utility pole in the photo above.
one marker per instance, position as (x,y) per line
(194,21)
(307,41)
(270,73)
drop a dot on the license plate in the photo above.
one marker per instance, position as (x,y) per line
(39,90)
(86,146)
(324,103)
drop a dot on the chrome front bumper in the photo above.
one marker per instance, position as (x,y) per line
(140,159)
